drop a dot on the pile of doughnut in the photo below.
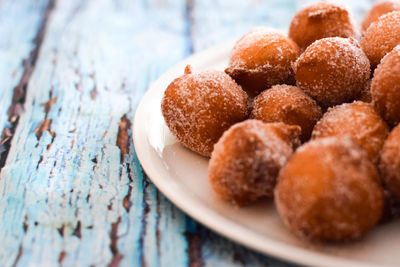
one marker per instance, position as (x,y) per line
(309,119)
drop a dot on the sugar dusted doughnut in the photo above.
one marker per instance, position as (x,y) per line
(358,120)
(378,10)
(385,87)
(332,70)
(287,104)
(390,163)
(199,107)
(247,159)
(261,59)
(381,37)
(329,191)
(321,20)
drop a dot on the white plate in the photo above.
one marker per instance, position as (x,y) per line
(181,176)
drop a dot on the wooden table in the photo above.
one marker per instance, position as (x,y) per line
(72,191)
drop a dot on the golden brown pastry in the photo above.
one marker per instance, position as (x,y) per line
(390,163)
(379,9)
(332,70)
(199,107)
(329,191)
(321,20)
(261,59)
(385,87)
(246,160)
(381,37)
(358,120)
(287,104)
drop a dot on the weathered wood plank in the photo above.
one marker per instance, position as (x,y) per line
(65,196)
(19,43)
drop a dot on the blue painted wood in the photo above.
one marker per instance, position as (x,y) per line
(68,193)
(17,45)
(72,191)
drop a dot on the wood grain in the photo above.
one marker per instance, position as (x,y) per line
(19,47)
(72,191)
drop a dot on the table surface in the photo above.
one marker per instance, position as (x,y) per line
(72,191)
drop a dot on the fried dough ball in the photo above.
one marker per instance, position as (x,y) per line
(287,104)
(321,20)
(385,87)
(329,191)
(358,120)
(390,163)
(381,37)
(199,107)
(332,70)
(378,10)
(261,59)
(247,159)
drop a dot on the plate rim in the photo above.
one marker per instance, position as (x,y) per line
(196,210)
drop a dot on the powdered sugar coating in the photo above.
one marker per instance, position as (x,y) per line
(390,163)
(287,104)
(262,58)
(246,160)
(321,20)
(385,87)
(332,70)
(378,10)
(199,107)
(358,120)
(381,37)
(329,191)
